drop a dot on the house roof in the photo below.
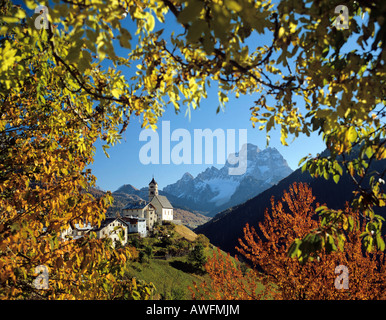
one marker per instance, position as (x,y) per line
(84,227)
(140,204)
(106,222)
(133,220)
(163,201)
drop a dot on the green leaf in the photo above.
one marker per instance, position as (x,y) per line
(233,5)
(10,19)
(73,53)
(338,168)
(150,23)
(124,38)
(350,220)
(321,208)
(195,31)
(368,242)
(351,134)
(293,250)
(380,242)
(190,12)
(369,152)
(370,226)
(330,244)
(302,160)
(116,93)
(85,62)
(104,147)
(281,32)
(208,44)
(270,123)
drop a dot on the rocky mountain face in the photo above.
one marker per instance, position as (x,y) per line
(214,190)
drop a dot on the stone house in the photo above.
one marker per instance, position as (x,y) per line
(141,209)
(135,225)
(114,228)
(76,231)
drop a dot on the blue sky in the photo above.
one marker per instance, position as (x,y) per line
(125,167)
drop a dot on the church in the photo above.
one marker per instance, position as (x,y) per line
(156,209)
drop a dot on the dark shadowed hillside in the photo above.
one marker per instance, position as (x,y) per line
(226,228)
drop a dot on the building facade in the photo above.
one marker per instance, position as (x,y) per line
(113,228)
(75,231)
(164,209)
(141,209)
(157,209)
(136,225)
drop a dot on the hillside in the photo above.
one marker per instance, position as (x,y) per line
(226,228)
(163,260)
(190,219)
(185,233)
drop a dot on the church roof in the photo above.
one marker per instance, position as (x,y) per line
(153,181)
(140,204)
(163,201)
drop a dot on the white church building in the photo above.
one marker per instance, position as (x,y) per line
(136,217)
(157,209)
(164,209)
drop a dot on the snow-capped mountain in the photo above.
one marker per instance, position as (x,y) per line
(215,189)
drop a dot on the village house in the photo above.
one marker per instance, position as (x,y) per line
(136,225)
(141,209)
(114,228)
(163,207)
(136,217)
(157,209)
(76,231)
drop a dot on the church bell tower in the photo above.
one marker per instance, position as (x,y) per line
(153,189)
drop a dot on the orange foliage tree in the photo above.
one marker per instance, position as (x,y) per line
(228,281)
(47,133)
(284,277)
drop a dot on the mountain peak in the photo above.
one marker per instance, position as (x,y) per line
(272,149)
(187,176)
(127,188)
(250,147)
(214,189)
